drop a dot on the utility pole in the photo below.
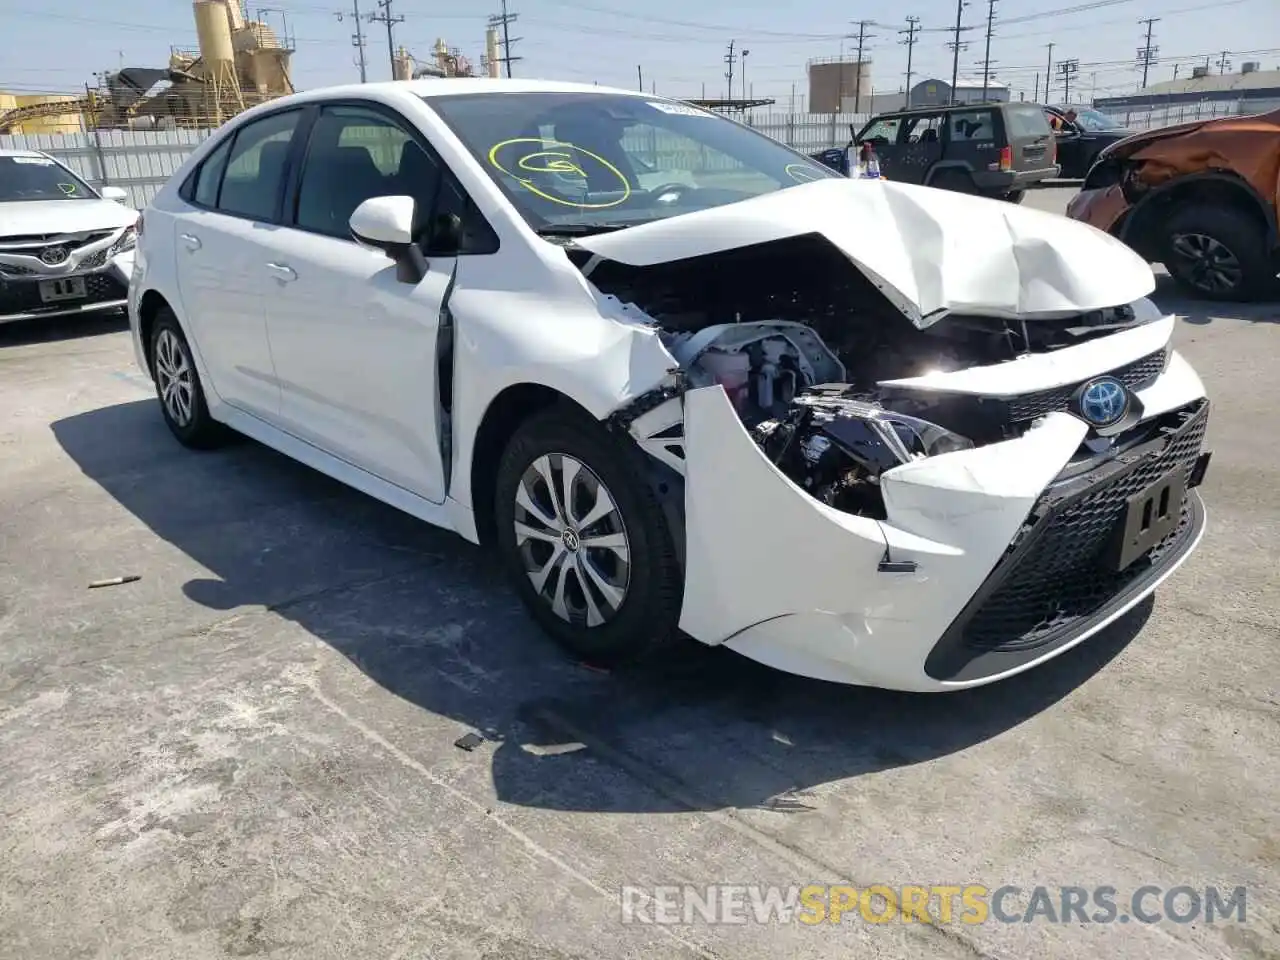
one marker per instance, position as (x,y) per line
(1223,62)
(639,79)
(955,50)
(385,17)
(1146,52)
(1035,91)
(1048,73)
(986,58)
(857,77)
(730,59)
(504,20)
(1068,70)
(357,38)
(913,24)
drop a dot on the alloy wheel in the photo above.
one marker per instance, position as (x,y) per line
(1209,264)
(175,378)
(572,540)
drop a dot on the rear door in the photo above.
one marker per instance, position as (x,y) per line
(919,146)
(1029,137)
(974,139)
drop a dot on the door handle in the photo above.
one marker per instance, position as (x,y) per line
(191,240)
(283,272)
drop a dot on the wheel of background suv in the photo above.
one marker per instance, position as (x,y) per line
(1217,253)
(957,181)
(584,540)
(178,386)
(1015,196)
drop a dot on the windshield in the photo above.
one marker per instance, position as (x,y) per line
(1093,120)
(579,162)
(39,178)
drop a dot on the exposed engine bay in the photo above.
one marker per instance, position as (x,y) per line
(803,345)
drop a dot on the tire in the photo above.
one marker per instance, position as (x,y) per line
(178,387)
(957,181)
(1014,196)
(1217,253)
(647,610)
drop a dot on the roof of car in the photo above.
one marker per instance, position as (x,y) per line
(947,107)
(452,86)
(21,153)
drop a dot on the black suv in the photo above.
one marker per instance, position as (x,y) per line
(993,149)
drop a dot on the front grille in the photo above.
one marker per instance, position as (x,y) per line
(1058,580)
(1133,375)
(24,296)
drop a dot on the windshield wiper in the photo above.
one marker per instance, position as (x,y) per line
(579,229)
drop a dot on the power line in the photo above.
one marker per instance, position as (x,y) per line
(913,25)
(504,20)
(986,57)
(857,76)
(385,17)
(1147,53)
(357,38)
(730,59)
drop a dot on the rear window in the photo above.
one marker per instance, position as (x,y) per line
(1028,121)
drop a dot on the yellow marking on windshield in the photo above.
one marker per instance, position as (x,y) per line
(555,157)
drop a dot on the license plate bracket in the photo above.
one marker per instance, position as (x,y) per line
(63,288)
(1149,516)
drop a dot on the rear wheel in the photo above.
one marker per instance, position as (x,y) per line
(1015,196)
(178,386)
(957,181)
(1217,253)
(584,540)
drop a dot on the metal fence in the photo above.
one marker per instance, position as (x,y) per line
(1166,115)
(140,161)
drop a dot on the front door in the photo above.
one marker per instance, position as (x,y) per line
(223,239)
(354,347)
(919,146)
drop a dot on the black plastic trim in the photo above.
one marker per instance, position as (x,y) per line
(953,659)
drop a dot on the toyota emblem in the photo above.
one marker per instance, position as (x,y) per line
(54,255)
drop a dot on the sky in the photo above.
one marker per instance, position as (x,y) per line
(678,46)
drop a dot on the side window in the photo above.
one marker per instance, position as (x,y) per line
(477,236)
(882,131)
(972,125)
(927,129)
(256,166)
(355,154)
(209,176)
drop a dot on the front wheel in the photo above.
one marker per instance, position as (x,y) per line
(584,540)
(1217,253)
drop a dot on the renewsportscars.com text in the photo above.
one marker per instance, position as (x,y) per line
(933,904)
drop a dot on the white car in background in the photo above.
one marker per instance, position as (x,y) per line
(861,431)
(65,248)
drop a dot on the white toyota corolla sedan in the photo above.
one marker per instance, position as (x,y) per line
(685,379)
(65,248)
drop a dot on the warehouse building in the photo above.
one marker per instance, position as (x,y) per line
(1201,96)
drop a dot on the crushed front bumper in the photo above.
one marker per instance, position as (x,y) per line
(106,288)
(988,562)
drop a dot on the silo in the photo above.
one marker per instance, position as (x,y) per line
(491,51)
(402,66)
(223,99)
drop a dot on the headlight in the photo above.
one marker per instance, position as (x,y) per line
(128,240)
(1104,173)
(877,438)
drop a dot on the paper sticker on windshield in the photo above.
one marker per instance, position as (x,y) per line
(34,161)
(679,109)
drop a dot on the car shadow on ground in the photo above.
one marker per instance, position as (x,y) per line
(427,617)
(1174,299)
(24,332)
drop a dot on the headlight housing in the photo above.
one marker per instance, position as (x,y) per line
(128,240)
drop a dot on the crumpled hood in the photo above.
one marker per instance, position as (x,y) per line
(1132,144)
(25,217)
(931,252)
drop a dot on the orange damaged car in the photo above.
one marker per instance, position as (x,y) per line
(1201,198)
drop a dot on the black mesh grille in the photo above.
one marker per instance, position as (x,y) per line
(24,296)
(1060,579)
(1133,375)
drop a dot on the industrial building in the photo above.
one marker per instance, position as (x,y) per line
(46,112)
(839,85)
(1251,90)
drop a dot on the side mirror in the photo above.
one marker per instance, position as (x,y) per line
(446,234)
(114,193)
(386,223)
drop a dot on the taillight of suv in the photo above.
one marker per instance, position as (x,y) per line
(1006,159)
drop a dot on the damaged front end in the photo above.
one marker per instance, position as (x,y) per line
(858,484)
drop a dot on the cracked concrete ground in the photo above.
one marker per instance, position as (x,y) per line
(250,750)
